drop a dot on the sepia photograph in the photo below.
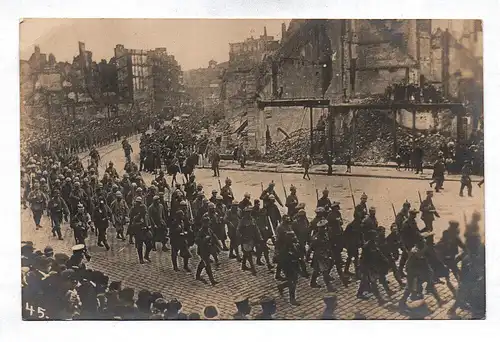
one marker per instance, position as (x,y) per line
(251,169)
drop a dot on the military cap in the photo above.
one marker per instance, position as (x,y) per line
(57,180)
(114,186)
(286,217)
(406,204)
(42,180)
(138,199)
(218,197)
(211,312)
(301,206)
(160,304)
(246,195)
(211,205)
(235,202)
(453,223)
(118,194)
(364,196)
(205,200)
(125,175)
(68,179)
(322,223)
(156,197)
(139,189)
(256,201)
(199,187)
(201,193)
(301,212)
(335,204)
(205,218)
(372,209)
(271,197)
(183,203)
(413,211)
(78,248)
(271,184)
(110,163)
(99,185)
(428,192)
(161,194)
(80,206)
(319,210)
(228,180)
(48,251)
(292,187)
(214,191)
(92,169)
(85,179)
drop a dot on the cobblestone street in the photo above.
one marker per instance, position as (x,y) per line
(121,262)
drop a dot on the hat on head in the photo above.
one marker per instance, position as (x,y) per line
(372,209)
(322,223)
(156,197)
(211,205)
(78,248)
(325,191)
(292,187)
(247,195)
(300,206)
(335,204)
(428,192)
(406,204)
(271,197)
(218,197)
(214,191)
(118,194)
(319,210)
(235,203)
(211,312)
(364,196)
(48,251)
(138,199)
(413,211)
(301,212)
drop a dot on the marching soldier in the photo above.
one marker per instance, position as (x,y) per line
(447,248)
(370,221)
(101,217)
(321,261)
(320,215)
(179,234)
(206,242)
(410,235)
(289,260)
(139,229)
(213,198)
(120,210)
(281,231)
(260,217)
(232,219)
(94,156)
(361,209)
(273,212)
(217,225)
(37,202)
(157,219)
(111,170)
(428,211)
(292,201)
(227,193)
(190,188)
(300,226)
(267,193)
(438,173)
(249,235)
(245,202)
(324,201)
(161,182)
(335,231)
(353,240)
(58,210)
(80,222)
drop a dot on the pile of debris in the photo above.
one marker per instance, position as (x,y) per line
(290,150)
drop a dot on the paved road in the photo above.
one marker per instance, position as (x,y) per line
(121,263)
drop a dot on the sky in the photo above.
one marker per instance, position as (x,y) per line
(193,42)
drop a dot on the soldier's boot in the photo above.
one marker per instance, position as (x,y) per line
(303,268)
(139,253)
(252,266)
(186,265)
(268,261)
(278,275)
(174,261)
(292,293)
(224,246)
(347,266)
(343,278)
(385,285)
(328,282)
(232,255)
(216,259)
(199,269)
(244,266)
(258,261)
(130,241)
(314,280)
(59,235)
(281,288)
(211,275)
(148,250)
(106,245)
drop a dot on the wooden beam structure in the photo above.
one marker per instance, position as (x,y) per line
(309,103)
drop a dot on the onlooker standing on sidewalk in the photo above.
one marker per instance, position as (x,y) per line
(306,164)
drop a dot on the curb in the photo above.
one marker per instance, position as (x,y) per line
(338,174)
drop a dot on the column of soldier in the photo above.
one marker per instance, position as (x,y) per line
(186,218)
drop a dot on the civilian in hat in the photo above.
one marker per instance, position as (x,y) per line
(243,307)
(268,306)
(330,307)
(211,313)
(292,201)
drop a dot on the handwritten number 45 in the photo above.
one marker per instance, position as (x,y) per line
(40,312)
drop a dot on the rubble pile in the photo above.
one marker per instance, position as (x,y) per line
(290,150)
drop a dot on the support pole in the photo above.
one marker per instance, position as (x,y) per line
(353,130)
(329,157)
(414,126)
(395,131)
(311,133)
